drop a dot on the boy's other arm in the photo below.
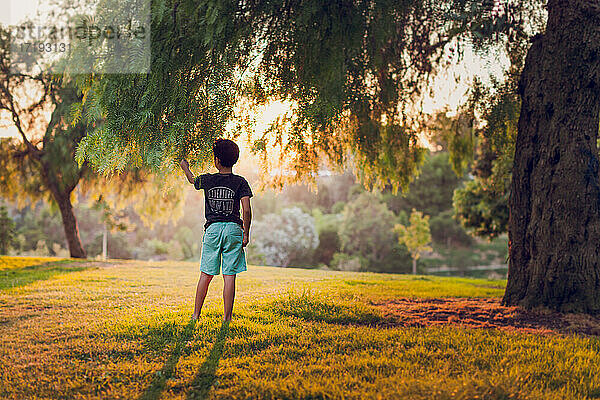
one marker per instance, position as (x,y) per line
(185,166)
(246,219)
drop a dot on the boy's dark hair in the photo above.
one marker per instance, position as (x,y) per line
(226,151)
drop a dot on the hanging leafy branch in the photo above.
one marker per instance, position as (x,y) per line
(355,71)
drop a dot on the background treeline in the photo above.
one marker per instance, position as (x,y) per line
(339,226)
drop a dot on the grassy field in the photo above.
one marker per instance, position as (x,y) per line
(122,329)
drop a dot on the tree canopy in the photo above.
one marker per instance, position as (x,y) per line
(354,72)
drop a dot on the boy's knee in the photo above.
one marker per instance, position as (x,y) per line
(206,277)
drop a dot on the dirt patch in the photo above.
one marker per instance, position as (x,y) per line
(483,313)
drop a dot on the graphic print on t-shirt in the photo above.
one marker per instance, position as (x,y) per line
(220,200)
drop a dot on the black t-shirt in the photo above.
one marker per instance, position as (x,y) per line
(222,194)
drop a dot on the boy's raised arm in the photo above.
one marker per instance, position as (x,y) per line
(246,219)
(185,166)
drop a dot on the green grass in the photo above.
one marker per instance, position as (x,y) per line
(16,276)
(121,330)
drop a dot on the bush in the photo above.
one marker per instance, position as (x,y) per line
(346,262)
(329,244)
(155,249)
(329,239)
(7,231)
(284,239)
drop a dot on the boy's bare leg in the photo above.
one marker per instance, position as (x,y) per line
(228,295)
(201,290)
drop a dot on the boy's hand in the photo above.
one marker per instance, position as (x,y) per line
(185,166)
(245,239)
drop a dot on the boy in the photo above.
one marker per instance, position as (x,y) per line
(225,233)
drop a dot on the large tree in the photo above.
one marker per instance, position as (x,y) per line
(539,134)
(554,224)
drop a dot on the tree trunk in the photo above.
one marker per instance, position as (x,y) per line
(414,266)
(554,224)
(70,225)
(104,243)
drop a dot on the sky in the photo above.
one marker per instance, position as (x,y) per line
(14,11)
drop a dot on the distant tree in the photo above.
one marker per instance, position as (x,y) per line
(416,236)
(447,231)
(366,229)
(7,230)
(39,164)
(329,244)
(285,238)
(38,222)
(431,192)
(112,220)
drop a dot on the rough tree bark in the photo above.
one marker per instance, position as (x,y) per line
(554,224)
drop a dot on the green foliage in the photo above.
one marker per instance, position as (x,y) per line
(188,243)
(481,211)
(40,165)
(329,240)
(19,175)
(181,106)
(482,204)
(288,238)
(329,244)
(416,236)
(432,190)
(459,259)
(39,228)
(446,230)
(156,249)
(28,174)
(347,262)
(7,230)
(457,136)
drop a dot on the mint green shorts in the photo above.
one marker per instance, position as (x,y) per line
(222,241)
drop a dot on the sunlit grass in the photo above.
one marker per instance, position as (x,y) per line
(20,272)
(7,262)
(122,330)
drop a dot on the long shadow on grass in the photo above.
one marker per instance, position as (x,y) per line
(17,277)
(310,307)
(160,378)
(206,376)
